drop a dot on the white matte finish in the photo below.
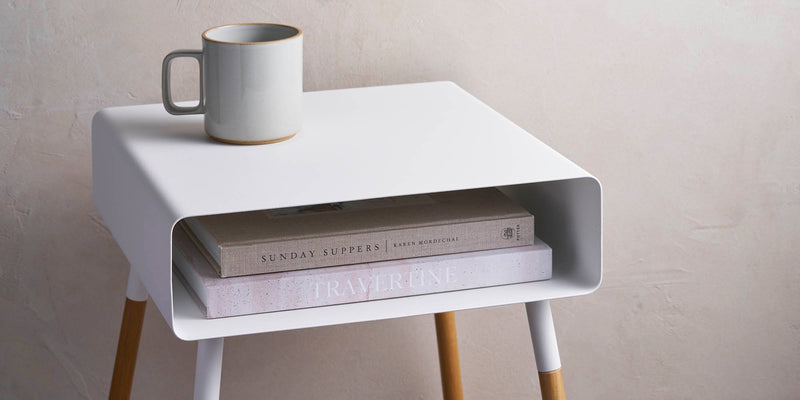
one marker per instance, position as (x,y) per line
(208,369)
(152,169)
(543,335)
(136,290)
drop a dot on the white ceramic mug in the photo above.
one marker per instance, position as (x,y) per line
(251,82)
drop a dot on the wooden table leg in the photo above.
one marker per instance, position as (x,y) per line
(448,355)
(545,348)
(129,334)
(552,385)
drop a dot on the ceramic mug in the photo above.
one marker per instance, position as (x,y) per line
(251,82)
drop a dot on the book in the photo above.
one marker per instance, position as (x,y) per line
(227,297)
(287,239)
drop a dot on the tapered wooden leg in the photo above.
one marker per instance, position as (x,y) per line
(129,334)
(545,348)
(552,385)
(127,348)
(448,355)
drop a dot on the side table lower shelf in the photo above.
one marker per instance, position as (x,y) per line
(208,371)
(191,324)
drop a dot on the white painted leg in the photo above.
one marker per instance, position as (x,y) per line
(208,372)
(545,348)
(543,334)
(136,290)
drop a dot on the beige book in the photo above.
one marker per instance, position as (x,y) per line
(356,232)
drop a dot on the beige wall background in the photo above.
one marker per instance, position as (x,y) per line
(688,112)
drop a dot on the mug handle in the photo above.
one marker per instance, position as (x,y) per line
(166,92)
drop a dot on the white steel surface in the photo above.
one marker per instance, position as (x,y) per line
(136,290)
(152,169)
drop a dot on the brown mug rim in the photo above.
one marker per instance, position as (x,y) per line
(205,33)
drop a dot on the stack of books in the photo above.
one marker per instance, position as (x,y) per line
(283,259)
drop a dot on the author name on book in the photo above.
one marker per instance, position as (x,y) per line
(425,242)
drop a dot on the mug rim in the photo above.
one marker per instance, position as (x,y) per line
(205,33)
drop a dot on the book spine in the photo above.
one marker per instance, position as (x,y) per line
(382,280)
(359,248)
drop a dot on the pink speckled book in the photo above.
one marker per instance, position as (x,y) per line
(227,297)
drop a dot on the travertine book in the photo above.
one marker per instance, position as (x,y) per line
(361,231)
(227,297)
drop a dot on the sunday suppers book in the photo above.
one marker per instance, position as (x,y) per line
(357,232)
(228,297)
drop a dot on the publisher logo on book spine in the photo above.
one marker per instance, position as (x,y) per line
(511,233)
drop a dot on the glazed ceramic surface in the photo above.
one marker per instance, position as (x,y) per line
(251,82)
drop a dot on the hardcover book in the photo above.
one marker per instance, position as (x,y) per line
(357,232)
(227,297)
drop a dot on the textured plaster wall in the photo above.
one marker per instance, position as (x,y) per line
(689,113)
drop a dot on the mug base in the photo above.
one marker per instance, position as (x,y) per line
(251,142)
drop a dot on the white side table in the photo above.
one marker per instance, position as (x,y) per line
(152,169)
